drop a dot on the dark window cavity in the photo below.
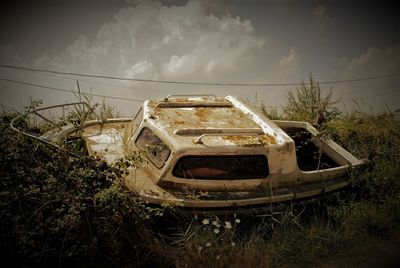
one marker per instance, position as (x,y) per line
(222,167)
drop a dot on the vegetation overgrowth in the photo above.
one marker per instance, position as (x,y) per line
(57,210)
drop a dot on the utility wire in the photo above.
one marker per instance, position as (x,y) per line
(118,86)
(197,83)
(112,84)
(139,100)
(373,96)
(66,90)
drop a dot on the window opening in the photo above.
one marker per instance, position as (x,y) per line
(222,167)
(156,151)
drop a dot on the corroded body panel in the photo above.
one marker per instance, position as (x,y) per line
(210,152)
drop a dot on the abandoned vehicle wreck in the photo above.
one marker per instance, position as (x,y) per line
(207,152)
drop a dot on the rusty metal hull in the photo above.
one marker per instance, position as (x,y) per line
(198,150)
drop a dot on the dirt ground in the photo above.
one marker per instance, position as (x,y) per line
(374,253)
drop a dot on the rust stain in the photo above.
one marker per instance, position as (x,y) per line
(251,140)
(179,100)
(236,117)
(157,111)
(196,99)
(202,114)
(242,140)
(267,139)
(178,122)
(216,117)
(178,113)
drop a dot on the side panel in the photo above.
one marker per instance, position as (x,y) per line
(106,140)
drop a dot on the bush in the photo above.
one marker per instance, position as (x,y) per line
(377,139)
(60,210)
(308,105)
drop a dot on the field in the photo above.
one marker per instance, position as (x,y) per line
(57,210)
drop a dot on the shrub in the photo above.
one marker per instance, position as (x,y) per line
(308,104)
(60,210)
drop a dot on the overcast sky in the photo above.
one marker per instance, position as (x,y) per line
(273,41)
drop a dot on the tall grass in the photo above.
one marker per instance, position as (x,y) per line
(59,211)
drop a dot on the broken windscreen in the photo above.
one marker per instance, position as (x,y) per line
(222,167)
(156,151)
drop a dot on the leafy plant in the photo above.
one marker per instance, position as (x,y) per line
(307,104)
(59,210)
(270,112)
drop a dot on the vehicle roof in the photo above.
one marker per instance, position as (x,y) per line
(208,120)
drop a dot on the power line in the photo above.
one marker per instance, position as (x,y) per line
(66,90)
(119,86)
(113,85)
(197,83)
(373,96)
(358,79)
(355,99)
(139,100)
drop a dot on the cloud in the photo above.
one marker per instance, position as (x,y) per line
(374,61)
(153,40)
(179,66)
(290,61)
(142,69)
(9,55)
(378,92)
(321,17)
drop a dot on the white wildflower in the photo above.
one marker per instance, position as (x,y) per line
(205,221)
(233,244)
(216,223)
(237,220)
(228,225)
(216,231)
(208,244)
